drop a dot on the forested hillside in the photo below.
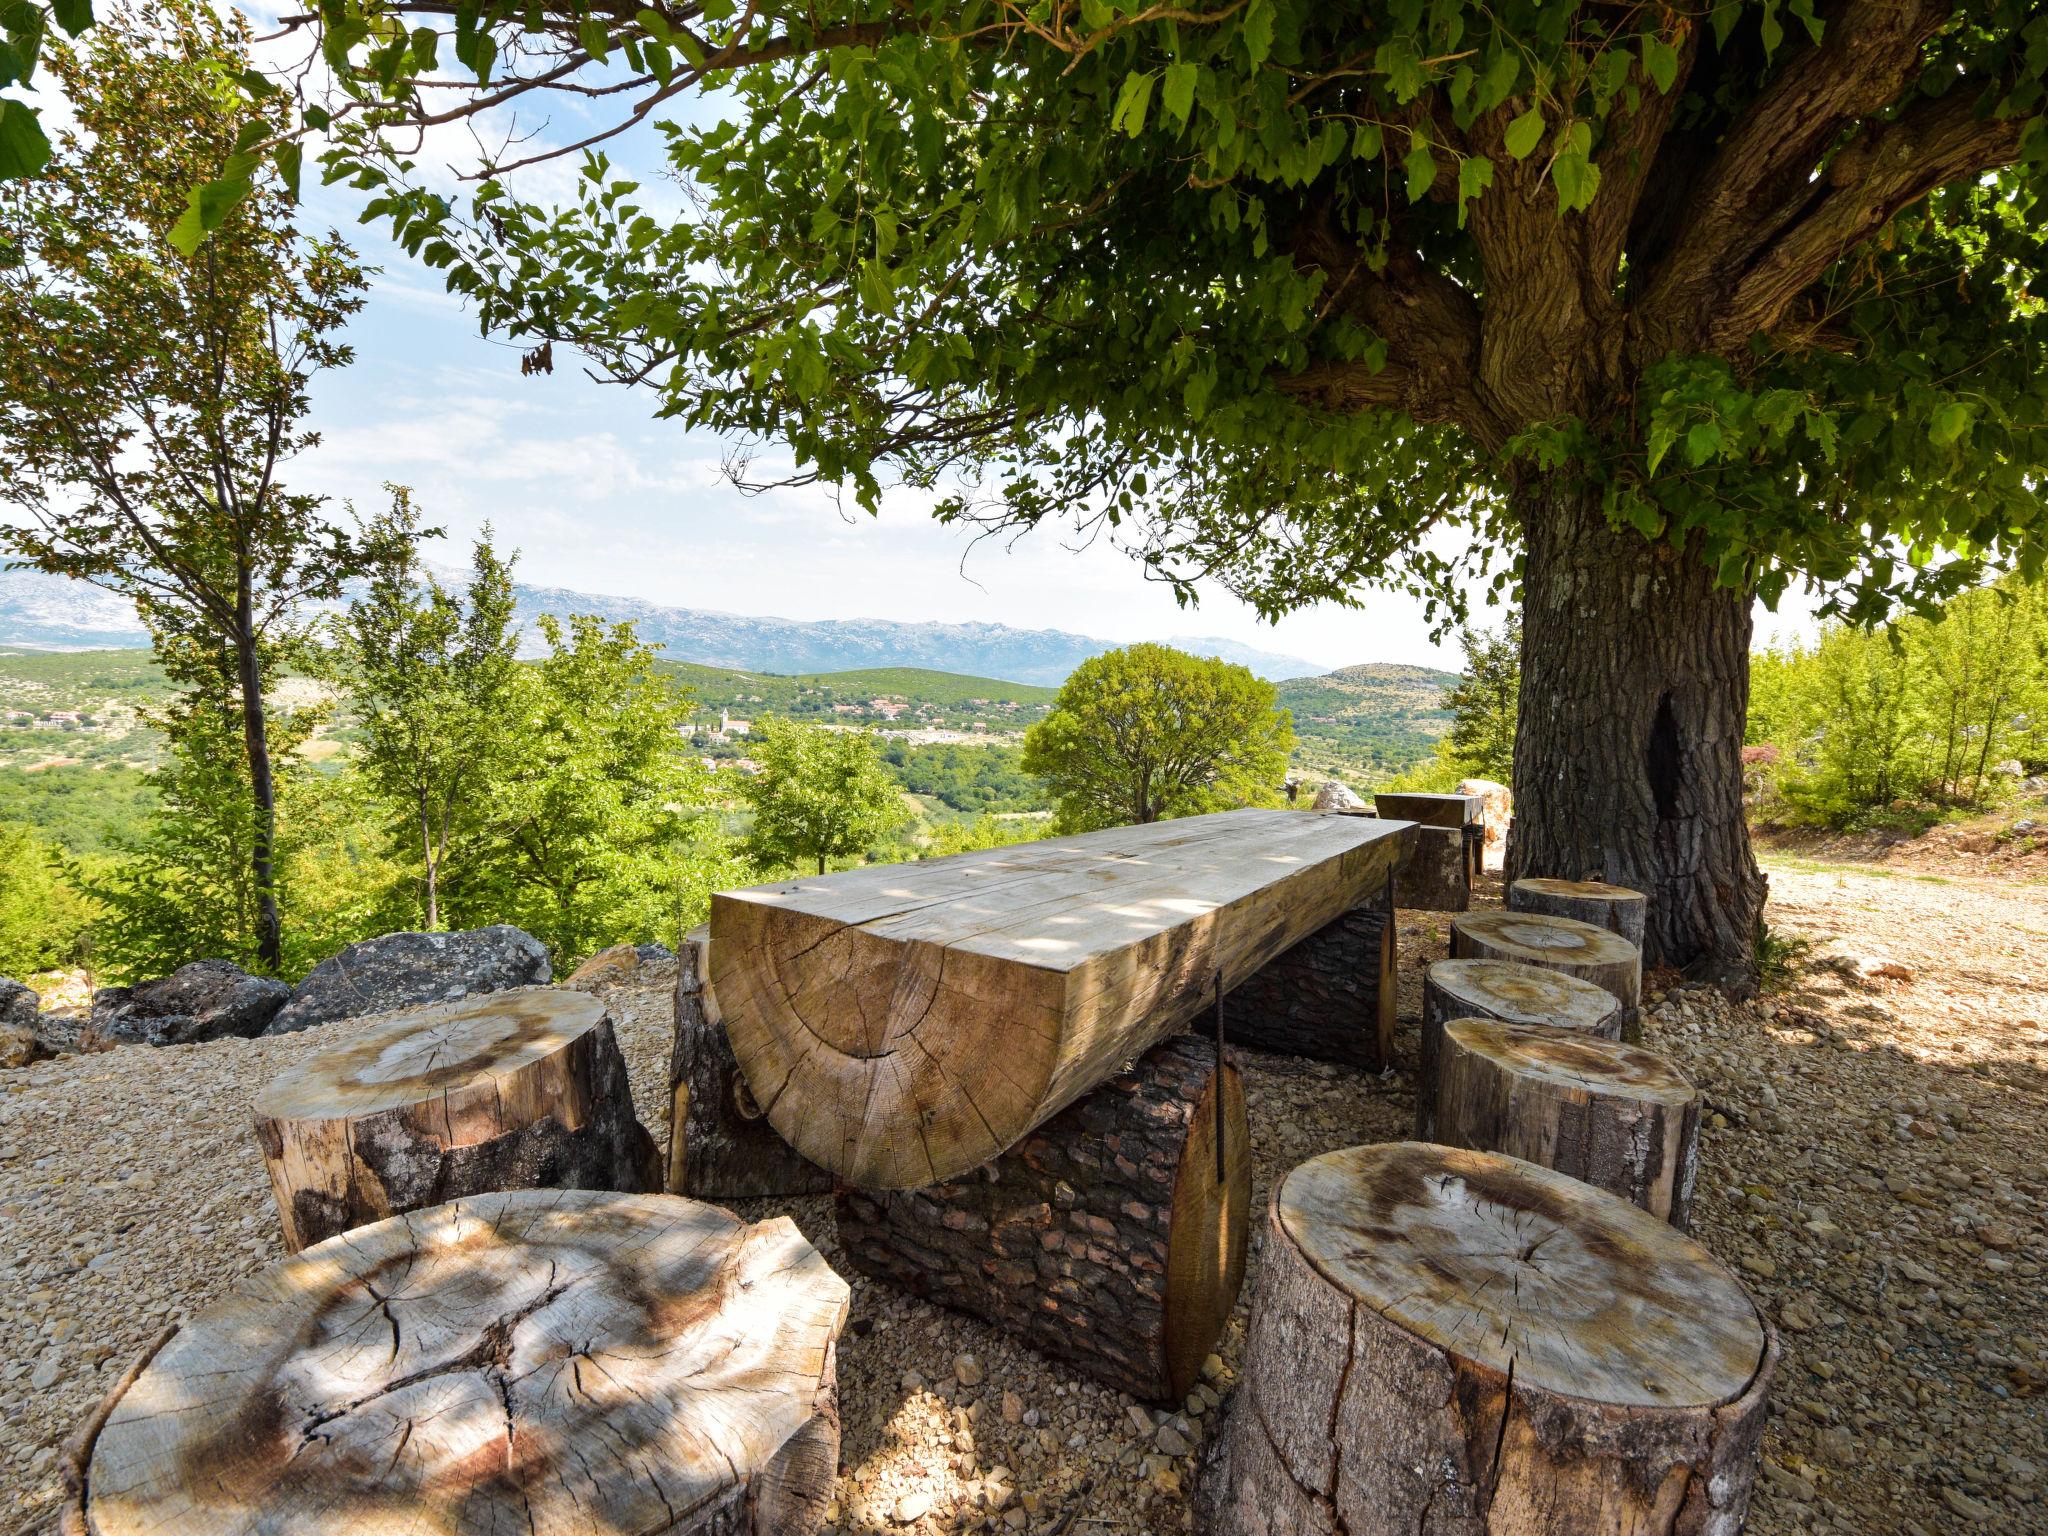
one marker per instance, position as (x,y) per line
(1368,721)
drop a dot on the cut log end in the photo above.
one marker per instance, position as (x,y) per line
(1613,907)
(1562,944)
(508,1090)
(542,1360)
(1613,1115)
(1512,992)
(1445,1339)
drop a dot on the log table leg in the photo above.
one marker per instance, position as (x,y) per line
(544,1360)
(1557,944)
(721,1146)
(1454,1342)
(1109,1238)
(1436,877)
(1331,997)
(1501,989)
(521,1089)
(1613,907)
(1612,1115)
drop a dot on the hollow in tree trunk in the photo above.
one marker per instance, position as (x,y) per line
(1628,752)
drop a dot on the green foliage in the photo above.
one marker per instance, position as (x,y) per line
(820,795)
(81,810)
(966,778)
(1149,732)
(1778,956)
(45,919)
(1366,721)
(1900,725)
(1485,702)
(433,682)
(982,833)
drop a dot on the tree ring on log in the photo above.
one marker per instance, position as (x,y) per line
(1508,990)
(1564,944)
(1613,907)
(548,1360)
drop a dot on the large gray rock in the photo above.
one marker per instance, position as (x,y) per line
(400,970)
(1337,797)
(19,1005)
(206,1000)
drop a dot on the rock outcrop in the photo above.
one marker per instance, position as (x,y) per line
(1496,811)
(1337,797)
(206,1000)
(19,1010)
(620,964)
(401,970)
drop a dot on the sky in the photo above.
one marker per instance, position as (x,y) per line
(600,497)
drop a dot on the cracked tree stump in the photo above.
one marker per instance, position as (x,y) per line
(902,1024)
(523,1089)
(1330,998)
(1612,1115)
(1510,992)
(1563,944)
(720,1145)
(545,1360)
(1109,1238)
(1469,1345)
(1613,907)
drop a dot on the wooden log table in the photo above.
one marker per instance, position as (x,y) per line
(1330,998)
(901,1024)
(1459,1342)
(1430,810)
(522,1089)
(540,1361)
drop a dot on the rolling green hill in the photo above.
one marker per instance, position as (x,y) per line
(926,697)
(1365,723)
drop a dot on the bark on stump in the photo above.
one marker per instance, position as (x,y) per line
(1505,990)
(1469,1345)
(551,1360)
(1112,1238)
(1613,907)
(720,1145)
(505,1090)
(1331,997)
(1612,1115)
(1437,876)
(1557,944)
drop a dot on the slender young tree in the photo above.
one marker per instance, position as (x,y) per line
(1149,732)
(150,402)
(1667,306)
(820,794)
(435,680)
(1485,703)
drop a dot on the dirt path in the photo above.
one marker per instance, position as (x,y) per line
(1876,1176)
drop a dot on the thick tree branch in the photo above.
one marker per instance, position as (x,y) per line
(1762,170)
(1875,176)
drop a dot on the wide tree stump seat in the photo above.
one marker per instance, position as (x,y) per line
(1612,1115)
(543,1361)
(1461,1343)
(1556,944)
(1511,992)
(522,1089)
(1613,907)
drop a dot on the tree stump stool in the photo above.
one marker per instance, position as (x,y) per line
(1612,1115)
(1556,944)
(1501,989)
(523,1089)
(1330,998)
(720,1144)
(1461,1343)
(1613,907)
(1113,1237)
(544,1360)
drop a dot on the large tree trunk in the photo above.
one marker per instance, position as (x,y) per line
(1628,754)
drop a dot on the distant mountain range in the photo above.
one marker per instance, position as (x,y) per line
(53,613)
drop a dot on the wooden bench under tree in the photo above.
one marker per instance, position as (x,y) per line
(902,1024)
(545,1360)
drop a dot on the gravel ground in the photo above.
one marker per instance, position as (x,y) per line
(1874,1172)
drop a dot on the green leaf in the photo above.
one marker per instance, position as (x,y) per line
(290,159)
(1132,102)
(74,16)
(1258,31)
(1573,170)
(1177,99)
(258,86)
(1660,62)
(207,207)
(317,119)
(24,148)
(1703,442)
(1420,165)
(1524,134)
(1475,175)
(1949,423)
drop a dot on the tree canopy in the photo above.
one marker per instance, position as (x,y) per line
(819,794)
(1149,732)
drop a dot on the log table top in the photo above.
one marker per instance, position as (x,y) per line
(903,1023)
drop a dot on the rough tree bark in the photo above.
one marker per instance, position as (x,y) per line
(1628,751)
(1331,997)
(538,1361)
